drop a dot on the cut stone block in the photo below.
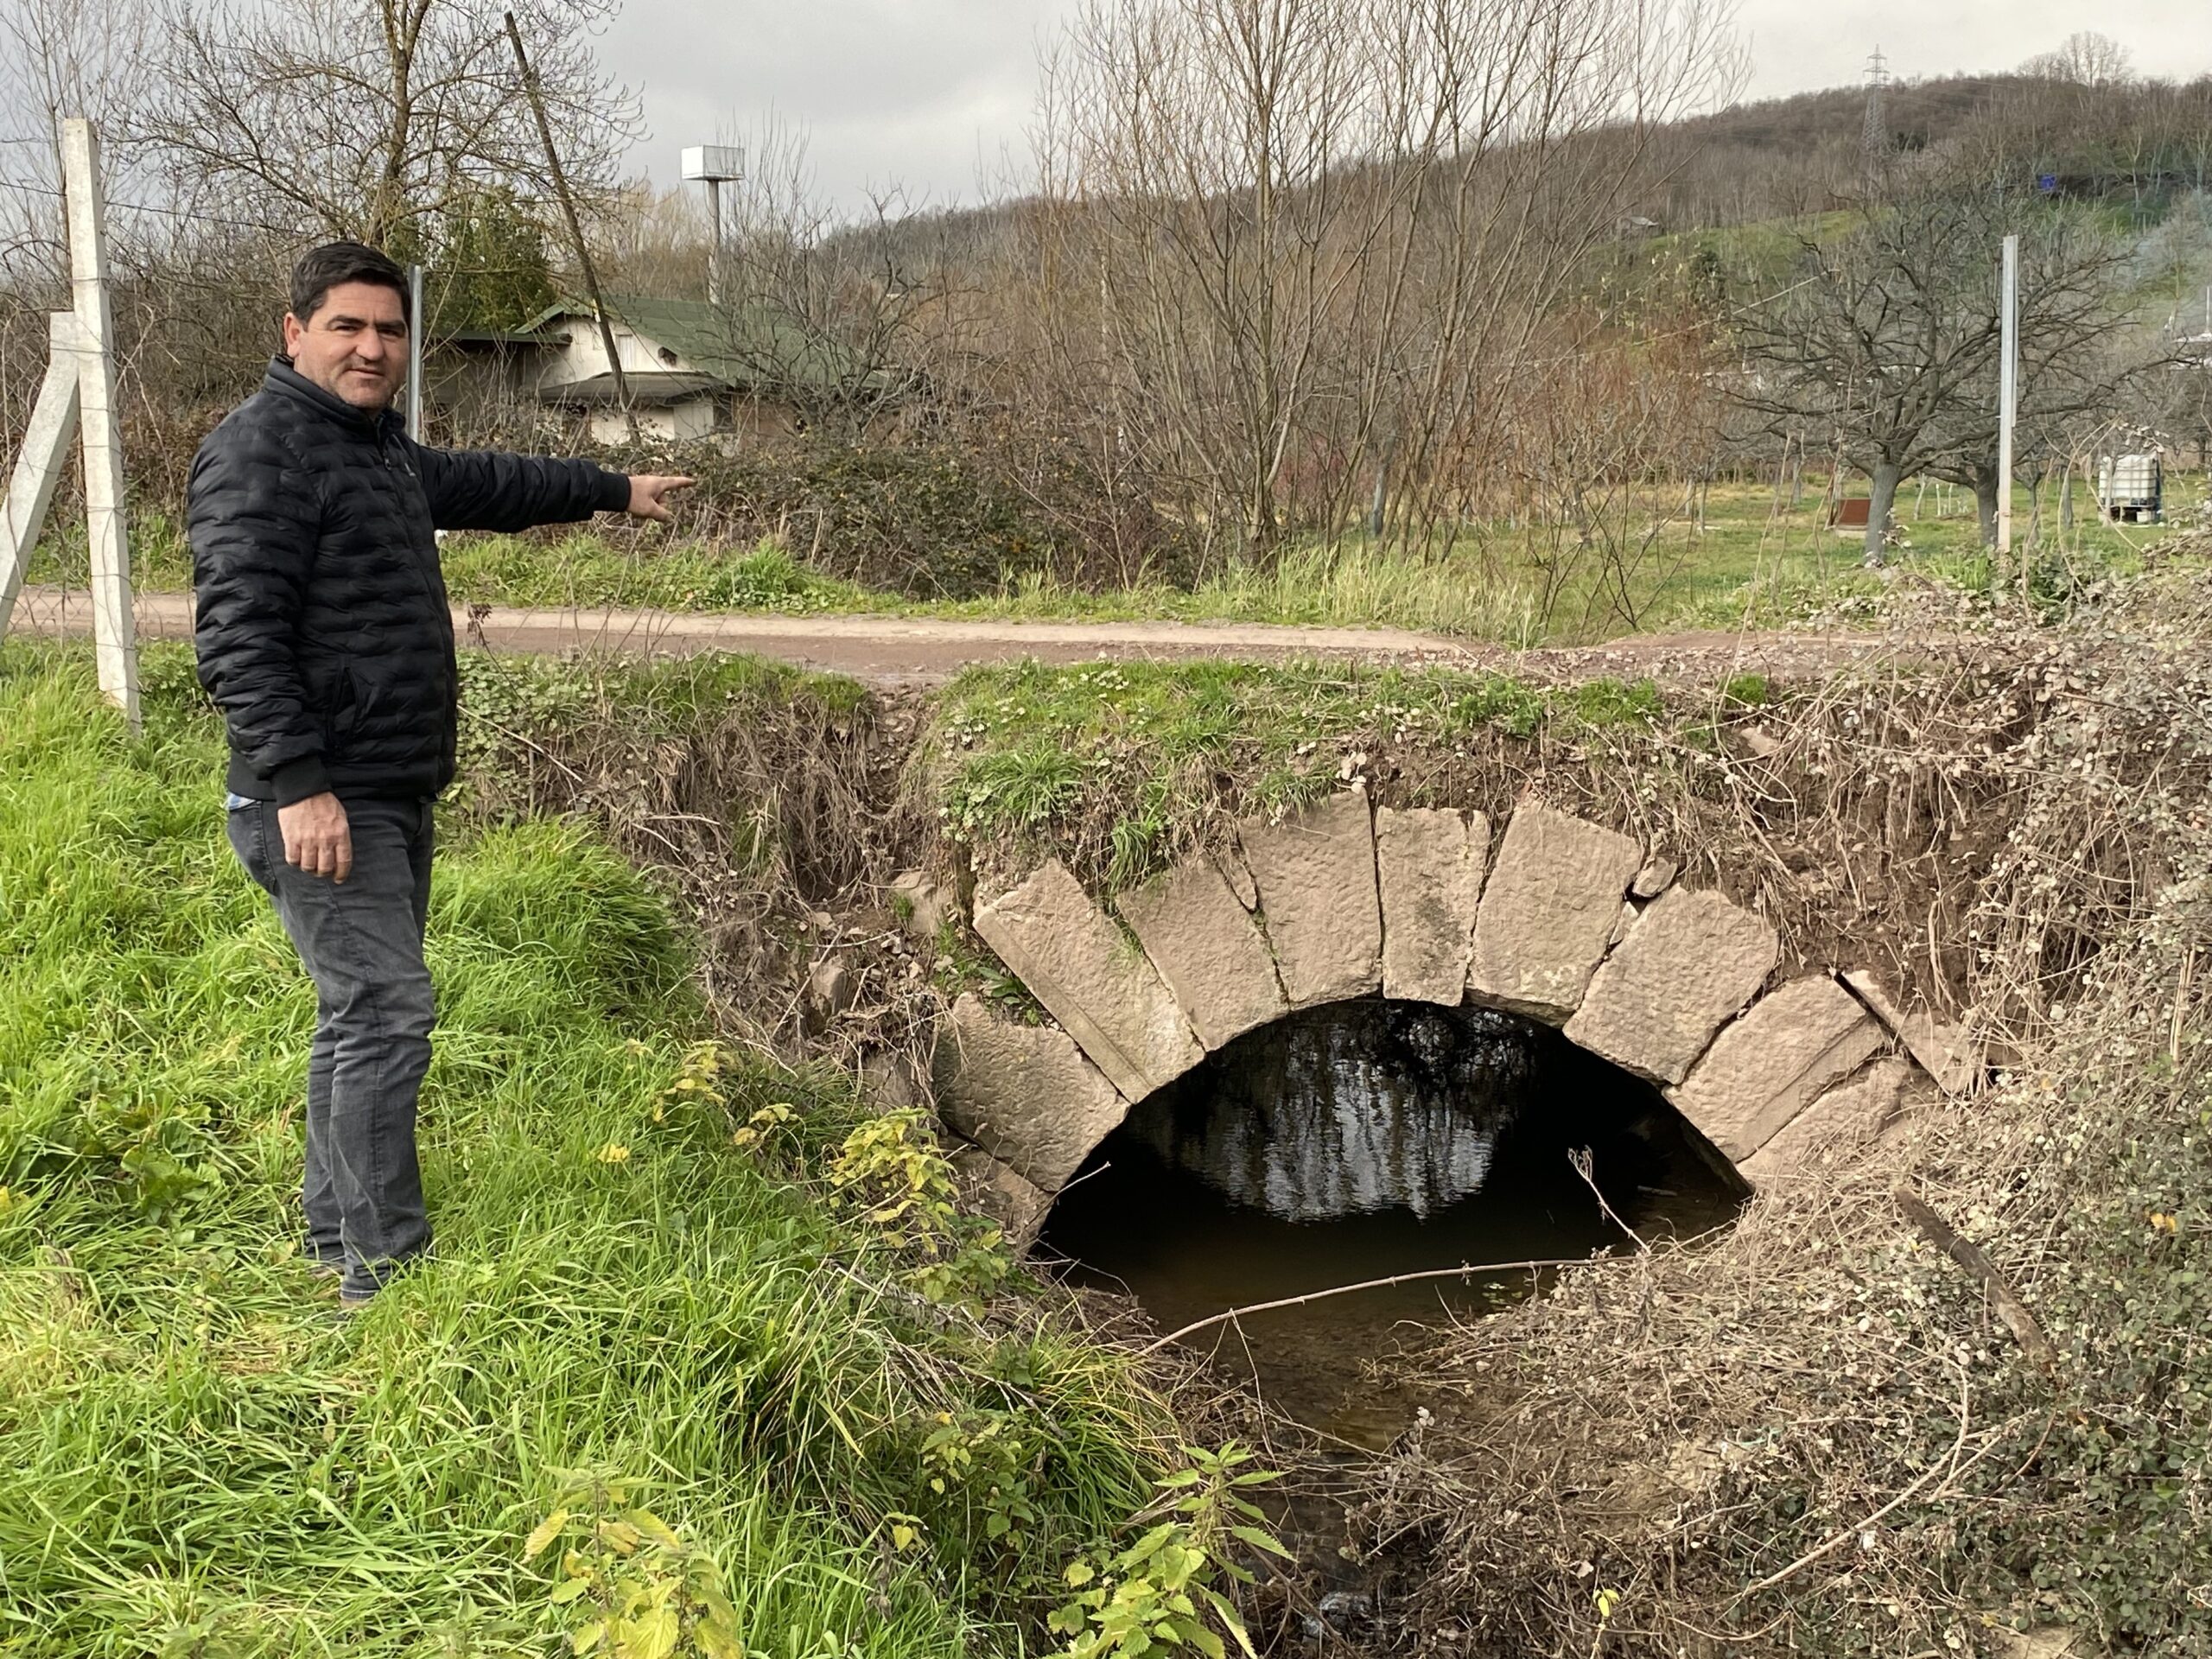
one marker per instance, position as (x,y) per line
(1095,982)
(1690,962)
(1841,1122)
(1946,1051)
(1773,1062)
(1239,877)
(1315,874)
(1548,912)
(1208,948)
(1429,863)
(1001,1193)
(1024,1093)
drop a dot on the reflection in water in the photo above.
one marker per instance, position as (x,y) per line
(1360,1141)
(1398,1105)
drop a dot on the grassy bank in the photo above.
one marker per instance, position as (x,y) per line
(647,1274)
(1121,766)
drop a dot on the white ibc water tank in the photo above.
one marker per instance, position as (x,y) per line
(2130,487)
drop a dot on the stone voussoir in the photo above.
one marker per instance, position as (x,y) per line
(1024,1093)
(1690,964)
(1207,948)
(1003,1194)
(1238,874)
(1098,984)
(1315,874)
(1845,1119)
(1430,864)
(1773,1062)
(1549,910)
(1946,1053)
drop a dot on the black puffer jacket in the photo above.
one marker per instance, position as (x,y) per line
(323,630)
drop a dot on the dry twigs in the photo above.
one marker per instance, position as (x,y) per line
(2018,1318)
(1463,1271)
(2018,830)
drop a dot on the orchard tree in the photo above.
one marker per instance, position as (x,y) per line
(1888,337)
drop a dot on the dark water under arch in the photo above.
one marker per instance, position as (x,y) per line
(1365,1139)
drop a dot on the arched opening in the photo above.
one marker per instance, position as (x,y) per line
(1363,1139)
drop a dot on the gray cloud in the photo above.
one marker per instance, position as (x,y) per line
(934,95)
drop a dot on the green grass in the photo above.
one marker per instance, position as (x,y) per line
(1027,754)
(1353,587)
(198,1457)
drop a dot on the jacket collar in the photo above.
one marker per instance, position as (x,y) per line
(288,382)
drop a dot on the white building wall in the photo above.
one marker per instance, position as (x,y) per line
(691,417)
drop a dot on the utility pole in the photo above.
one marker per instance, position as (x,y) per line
(415,325)
(77,398)
(536,97)
(2008,398)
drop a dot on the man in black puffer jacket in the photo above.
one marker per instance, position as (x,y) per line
(324,637)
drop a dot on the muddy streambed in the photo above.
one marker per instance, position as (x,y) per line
(1358,1141)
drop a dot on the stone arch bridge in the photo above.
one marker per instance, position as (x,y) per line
(1562,920)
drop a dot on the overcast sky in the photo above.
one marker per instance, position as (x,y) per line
(934,95)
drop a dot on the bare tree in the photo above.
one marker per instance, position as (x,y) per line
(831,317)
(57,58)
(1298,246)
(369,118)
(2084,59)
(1889,339)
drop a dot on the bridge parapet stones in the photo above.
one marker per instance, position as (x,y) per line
(1207,947)
(1946,1053)
(1770,1066)
(1315,876)
(1431,863)
(1838,1124)
(1024,1093)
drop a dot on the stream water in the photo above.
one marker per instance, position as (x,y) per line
(1365,1140)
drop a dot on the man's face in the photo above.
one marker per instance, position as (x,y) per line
(355,345)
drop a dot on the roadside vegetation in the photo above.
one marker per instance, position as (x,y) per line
(705,1357)
(1729,557)
(1121,766)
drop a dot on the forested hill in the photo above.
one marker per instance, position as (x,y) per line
(2125,139)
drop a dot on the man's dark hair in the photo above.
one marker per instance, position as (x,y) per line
(322,269)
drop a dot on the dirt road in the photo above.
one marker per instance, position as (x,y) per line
(924,650)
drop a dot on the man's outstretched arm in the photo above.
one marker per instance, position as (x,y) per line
(490,489)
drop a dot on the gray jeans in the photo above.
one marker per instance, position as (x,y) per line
(361,942)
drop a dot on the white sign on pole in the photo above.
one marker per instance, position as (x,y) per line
(415,327)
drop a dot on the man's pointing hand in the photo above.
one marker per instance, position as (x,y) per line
(648,496)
